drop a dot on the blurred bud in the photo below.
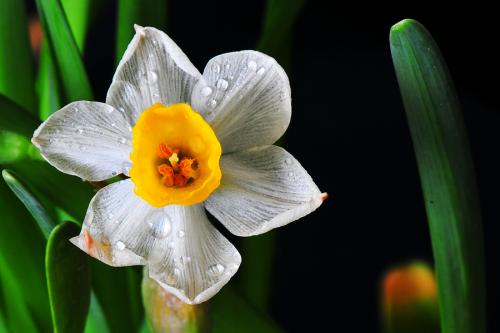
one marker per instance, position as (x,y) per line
(409,300)
(168,314)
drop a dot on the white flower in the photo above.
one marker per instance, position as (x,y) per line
(157,217)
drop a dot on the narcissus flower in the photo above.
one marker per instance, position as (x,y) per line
(188,142)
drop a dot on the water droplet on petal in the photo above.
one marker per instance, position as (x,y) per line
(185,260)
(216,269)
(252,65)
(288,160)
(290,174)
(206,91)
(160,227)
(123,140)
(261,71)
(120,245)
(152,77)
(222,84)
(212,103)
(228,66)
(79,131)
(216,67)
(181,233)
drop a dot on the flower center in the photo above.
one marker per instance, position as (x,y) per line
(175,156)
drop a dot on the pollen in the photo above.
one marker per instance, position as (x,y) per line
(175,156)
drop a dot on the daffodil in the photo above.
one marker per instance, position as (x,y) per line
(186,142)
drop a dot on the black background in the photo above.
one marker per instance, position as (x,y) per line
(349,131)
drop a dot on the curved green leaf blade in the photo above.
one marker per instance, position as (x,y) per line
(145,12)
(62,43)
(96,322)
(16,65)
(231,311)
(45,222)
(68,280)
(447,176)
(21,256)
(17,312)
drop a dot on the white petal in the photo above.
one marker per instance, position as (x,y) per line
(88,139)
(153,69)
(245,96)
(262,188)
(182,250)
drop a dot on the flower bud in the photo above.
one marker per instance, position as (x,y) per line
(409,300)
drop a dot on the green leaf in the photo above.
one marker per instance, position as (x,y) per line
(447,176)
(118,291)
(78,15)
(68,280)
(145,12)
(96,321)
(21,258)
(68,62)
(17,316)
(15,119)
(47,84)
(231,311)
(16,65)
(277,30)
(42,217)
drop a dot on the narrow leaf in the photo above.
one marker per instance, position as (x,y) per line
(16,65)
(17,312)
(47,83)
(96,321)
(45,222)
(447,176)
(63,45)
(68,280)
(231,311)
(78,15)
(21,256)
(146,13)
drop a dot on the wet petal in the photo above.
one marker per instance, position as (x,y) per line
(182,250)
(153,69)
(245,96)
(262,189)
(88,139)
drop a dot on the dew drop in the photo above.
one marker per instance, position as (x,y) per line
(110,110)
(177,271)
(216,269)
(160,227)
(113,124)
(206,91)
(212,103)
(181,233)
(185,260)
(123,140)
(288,161)
(290,174)
(252,65)
(113,173)
(228,66)
(79,131)
(120,245)
(121,109)
(152,77)
(261,71)
(222,84)
(216,67)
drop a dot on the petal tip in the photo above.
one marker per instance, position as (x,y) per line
(139,30)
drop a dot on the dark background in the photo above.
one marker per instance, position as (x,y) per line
(349,131)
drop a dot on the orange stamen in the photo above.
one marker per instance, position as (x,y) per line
(180,180)
(187,168)
(168,174)
(164,151)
